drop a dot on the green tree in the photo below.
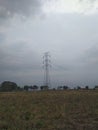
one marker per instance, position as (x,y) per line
(44,87)
(26,87)
(96,87)
(86,87)
(65,87)
(78,87)
(7,86)
(35,87)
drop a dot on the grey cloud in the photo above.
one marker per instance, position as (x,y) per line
(16,62)
(90,57)
(87,0)
(14,57)
(86,67)
(2,37)
(65,37)
(8,8)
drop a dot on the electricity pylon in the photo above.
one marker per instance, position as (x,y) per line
(46,65)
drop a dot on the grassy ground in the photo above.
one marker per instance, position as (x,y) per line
(49,110)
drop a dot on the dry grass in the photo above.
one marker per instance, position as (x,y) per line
(49,110)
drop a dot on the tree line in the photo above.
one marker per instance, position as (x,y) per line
(8,86)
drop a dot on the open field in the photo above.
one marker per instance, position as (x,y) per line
(49,110)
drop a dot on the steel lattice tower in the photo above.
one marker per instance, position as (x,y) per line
(46,63)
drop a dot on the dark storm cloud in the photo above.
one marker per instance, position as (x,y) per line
(9,8)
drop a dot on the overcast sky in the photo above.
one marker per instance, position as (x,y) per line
(68,29)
